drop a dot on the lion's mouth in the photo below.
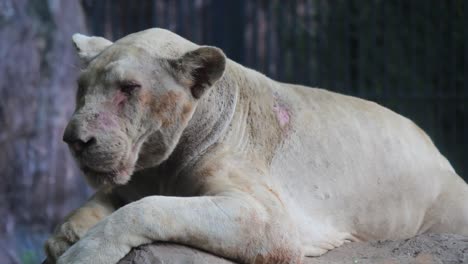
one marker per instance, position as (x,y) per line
(90,170)
(118,176)
(118,172)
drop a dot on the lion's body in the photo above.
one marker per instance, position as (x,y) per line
(349,165)
(270,172)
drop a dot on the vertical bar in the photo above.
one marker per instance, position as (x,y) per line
(268,37)
(188,14)
(248,36)
(374,56)
(465,51)
(296,75)
(195,26)
(334,44)
(359,31)
(307,43)
(385,51)
(107,20)
(139,15)
(254,21)
(439,135)
(263,13)
(127,18)
(465,94)
(453,75)
(452,30)
(165,11)
(281,43)
(426,53)
(275,41)
(346,43)
(115,14)
(173,16)
(412,37)
(97,14)
(430,45)
(180,11)
(353,48)
(284,52)
(400,51)
(154,14)
(306,34)
(193,22)
(318,46)
(206,24)
(292,40)
(233,29)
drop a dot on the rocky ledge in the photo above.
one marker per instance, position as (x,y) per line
(423,249)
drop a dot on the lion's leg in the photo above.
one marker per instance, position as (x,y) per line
(233,226)
(77,223)
(450,211)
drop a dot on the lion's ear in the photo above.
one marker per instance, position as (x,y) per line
(89,47)
(199,69)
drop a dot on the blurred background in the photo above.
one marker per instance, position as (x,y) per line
(411,56)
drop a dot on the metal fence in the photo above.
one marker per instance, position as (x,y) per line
(411,56)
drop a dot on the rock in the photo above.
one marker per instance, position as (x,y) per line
(422,249)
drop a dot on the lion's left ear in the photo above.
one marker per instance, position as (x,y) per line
(199,69)
(89,47)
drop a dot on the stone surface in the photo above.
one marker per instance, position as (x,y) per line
(423,249)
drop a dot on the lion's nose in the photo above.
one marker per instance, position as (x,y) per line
(78,141)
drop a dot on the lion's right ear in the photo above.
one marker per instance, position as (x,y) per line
(89,47)
(199,69)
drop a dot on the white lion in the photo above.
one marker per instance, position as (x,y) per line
(189,147)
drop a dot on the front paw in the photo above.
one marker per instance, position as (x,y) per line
(94,250)
(102,244)
(65,236)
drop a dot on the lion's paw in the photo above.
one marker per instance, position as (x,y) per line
(65,236)
(326,243)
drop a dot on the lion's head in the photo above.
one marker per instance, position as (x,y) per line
(135,97)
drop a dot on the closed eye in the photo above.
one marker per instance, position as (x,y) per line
(129,87)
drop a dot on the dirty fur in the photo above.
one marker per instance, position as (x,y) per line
(187,146)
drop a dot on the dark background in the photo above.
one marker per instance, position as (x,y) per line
(411,56)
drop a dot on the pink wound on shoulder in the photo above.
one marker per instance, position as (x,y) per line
(282,112)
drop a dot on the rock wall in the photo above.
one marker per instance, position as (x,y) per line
(38,67)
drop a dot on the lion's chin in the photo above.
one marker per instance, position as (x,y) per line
(98,178)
